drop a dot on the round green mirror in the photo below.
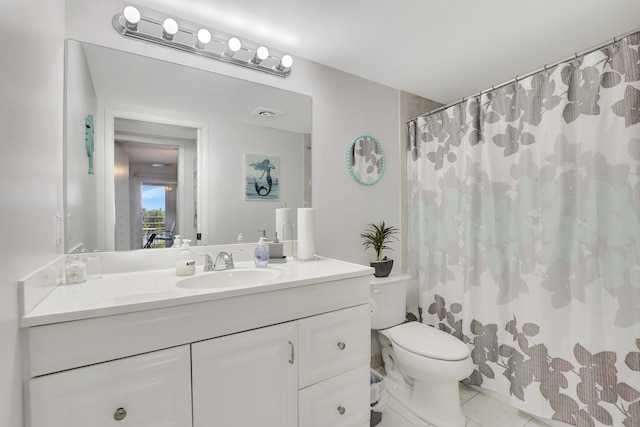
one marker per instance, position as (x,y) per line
(365,159)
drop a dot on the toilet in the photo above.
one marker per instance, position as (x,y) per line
(423,364)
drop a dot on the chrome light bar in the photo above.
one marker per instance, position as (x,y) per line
(132,25)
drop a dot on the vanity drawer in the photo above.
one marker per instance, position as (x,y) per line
(148,390)
(341,401)
(333,343)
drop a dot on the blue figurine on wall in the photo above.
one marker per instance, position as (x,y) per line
(88,139)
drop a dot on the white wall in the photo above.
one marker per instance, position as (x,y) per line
(343,107)
(229,212)
(31,83)
(80,186)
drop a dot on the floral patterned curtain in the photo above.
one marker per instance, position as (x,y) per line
(524,235)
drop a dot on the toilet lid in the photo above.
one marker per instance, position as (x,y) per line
(427,341)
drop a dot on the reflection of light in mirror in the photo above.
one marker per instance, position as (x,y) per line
(120,171)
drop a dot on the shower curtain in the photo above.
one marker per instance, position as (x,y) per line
(524,235)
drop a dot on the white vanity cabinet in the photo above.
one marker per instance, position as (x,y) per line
(149,390)
(290,356)
(247,379)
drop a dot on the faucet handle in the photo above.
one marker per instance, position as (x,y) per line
(208,262)
(231,257)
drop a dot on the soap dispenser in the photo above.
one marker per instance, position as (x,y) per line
(186,262)
(177,242)
(261,253)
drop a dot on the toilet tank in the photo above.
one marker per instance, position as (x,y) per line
(388,300)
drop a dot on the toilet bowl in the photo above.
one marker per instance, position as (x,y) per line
(423,364)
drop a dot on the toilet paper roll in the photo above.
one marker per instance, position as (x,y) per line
(284,223)
(306,233)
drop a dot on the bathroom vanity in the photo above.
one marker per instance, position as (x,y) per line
(147,348)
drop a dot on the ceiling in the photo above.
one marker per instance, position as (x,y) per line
(439,49)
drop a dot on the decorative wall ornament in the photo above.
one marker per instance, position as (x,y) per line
(365,159)
(262,177)
(88,140)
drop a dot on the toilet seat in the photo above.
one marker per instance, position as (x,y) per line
(428,341)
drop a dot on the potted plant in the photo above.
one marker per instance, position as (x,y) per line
(378,236)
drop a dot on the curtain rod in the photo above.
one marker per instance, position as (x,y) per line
(524,76)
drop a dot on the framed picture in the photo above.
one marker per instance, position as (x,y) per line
(262,177)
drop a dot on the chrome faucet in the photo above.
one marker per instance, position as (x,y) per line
(226,258)
(208,262)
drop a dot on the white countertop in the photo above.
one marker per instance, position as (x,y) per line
(145,290)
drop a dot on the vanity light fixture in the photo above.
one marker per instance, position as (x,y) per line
(285,63)
(233,45)
(203,38)
(262,53)
(168,33)
(169,29)
(132,17)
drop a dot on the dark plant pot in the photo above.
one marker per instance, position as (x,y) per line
(383,268)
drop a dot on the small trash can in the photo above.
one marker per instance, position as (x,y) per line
(377,397)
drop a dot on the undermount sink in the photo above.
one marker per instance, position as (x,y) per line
(229,278)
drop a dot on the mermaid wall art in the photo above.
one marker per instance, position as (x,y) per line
(262,177)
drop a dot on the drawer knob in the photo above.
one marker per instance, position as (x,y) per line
(341,345)
(119,414)
(341,410)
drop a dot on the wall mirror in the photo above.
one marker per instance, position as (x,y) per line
(170,143)
(365,159)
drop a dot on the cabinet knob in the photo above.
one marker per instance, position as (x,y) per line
(341,345)
(341,410)
(119,414)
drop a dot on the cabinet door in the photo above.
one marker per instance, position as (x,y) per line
(333,343)
(149,390)
(247,379)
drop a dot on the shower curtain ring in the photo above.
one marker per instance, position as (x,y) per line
(614,46)
(576,61)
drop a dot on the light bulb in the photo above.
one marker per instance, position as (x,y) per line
(204,37)
(169,28)
(285,63)
(132,17)
(233,45)
(261,54)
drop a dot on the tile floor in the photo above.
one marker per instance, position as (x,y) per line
(479,409)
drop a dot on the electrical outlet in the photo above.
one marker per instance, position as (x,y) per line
(59,230)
